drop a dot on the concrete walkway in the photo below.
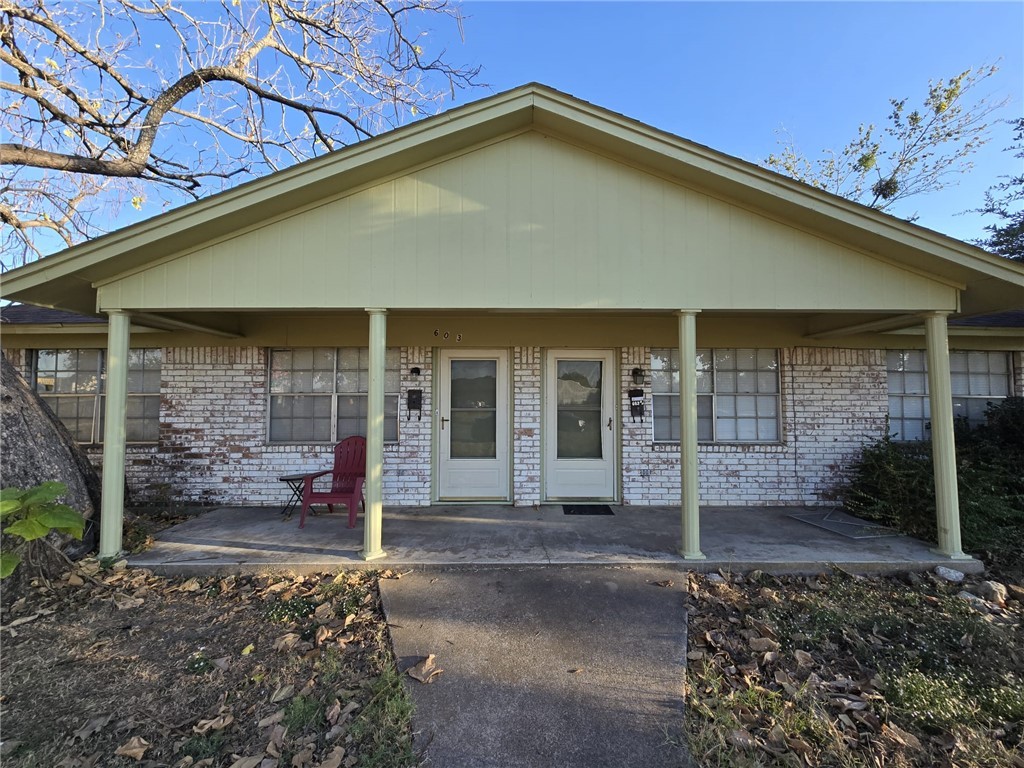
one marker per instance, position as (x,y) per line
(577,667)
(733,538)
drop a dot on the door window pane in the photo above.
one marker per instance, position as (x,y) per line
(473,406)
(579,429)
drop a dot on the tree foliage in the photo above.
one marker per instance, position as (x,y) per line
(1006,201)
(915,151)
(113,102)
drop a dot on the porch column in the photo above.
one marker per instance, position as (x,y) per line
(690,491)
(115,403)
(375,437)
(947,502)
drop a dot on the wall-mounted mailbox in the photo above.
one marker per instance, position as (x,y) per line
(636,404)
(414,402)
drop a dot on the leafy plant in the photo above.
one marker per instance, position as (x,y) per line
(32,514)
(893,483)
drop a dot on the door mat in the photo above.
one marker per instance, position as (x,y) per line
(845,525)
(587,509)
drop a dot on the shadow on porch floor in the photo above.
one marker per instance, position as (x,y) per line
(736,538)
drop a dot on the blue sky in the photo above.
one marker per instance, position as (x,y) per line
(731,74)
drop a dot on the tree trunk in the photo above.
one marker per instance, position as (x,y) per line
(36,448)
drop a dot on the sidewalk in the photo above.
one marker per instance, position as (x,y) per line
(576,667)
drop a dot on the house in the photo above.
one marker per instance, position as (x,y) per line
(526,299)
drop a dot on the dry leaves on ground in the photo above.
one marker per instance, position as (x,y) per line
(837,670)
(203,672)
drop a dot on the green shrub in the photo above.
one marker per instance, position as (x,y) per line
(893,483)
(32,514)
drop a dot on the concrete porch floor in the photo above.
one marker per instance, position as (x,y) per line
(233,539)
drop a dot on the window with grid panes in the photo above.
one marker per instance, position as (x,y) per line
(71,381)
(318,394)
(976,379)
(737,395)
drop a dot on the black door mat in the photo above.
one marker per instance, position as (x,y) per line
(587,509)
(845,525)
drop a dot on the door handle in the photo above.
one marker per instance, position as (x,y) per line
(609,423)
(443,420)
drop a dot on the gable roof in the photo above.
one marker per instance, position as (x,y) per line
(68,279)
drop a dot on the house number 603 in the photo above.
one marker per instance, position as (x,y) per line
(447,334)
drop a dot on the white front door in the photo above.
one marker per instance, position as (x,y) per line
(579,425)
(473,425)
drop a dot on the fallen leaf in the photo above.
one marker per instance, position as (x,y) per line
(218,723)
(803,658)
(276,740)
(901,736)
(247,762)
(763,644)
(574,670)
(286,642)
(695,655)
(248,649)
(777,736)
(273,719)
(740,737)
(123,603)
(95,725)
(223,663)
(333,712)
(426,670)
(134,748)
(665,583)
(324,612)
(282,693)
(74,580)
(192,585)
(798,745)
(303,758)
(333,760)
(351,707)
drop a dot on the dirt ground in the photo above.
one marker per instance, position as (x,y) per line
(120,667)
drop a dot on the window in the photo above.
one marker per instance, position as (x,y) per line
(318,395)
(976,378)
(737,395)
(71,382)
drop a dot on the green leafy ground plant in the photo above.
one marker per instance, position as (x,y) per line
(31,515)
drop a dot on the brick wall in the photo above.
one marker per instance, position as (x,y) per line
(833,401)
(213,446)
(526,385)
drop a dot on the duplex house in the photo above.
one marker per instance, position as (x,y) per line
(524,300)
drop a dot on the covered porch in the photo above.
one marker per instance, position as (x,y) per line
(248,539)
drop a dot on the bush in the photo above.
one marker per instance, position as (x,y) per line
(892,483)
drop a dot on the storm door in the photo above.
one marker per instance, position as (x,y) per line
(473,425)
(579,425)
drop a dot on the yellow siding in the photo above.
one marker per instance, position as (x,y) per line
(530,222)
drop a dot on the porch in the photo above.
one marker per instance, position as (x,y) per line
(247,539)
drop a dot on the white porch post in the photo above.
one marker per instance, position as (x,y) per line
(947,502)
(115,403)
(375,437)
(688,474)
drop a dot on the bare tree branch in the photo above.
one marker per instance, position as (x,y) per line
(915,152)
(165,99)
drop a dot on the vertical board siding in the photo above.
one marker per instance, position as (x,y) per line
(528,222)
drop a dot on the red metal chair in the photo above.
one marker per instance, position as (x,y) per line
(347,478)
